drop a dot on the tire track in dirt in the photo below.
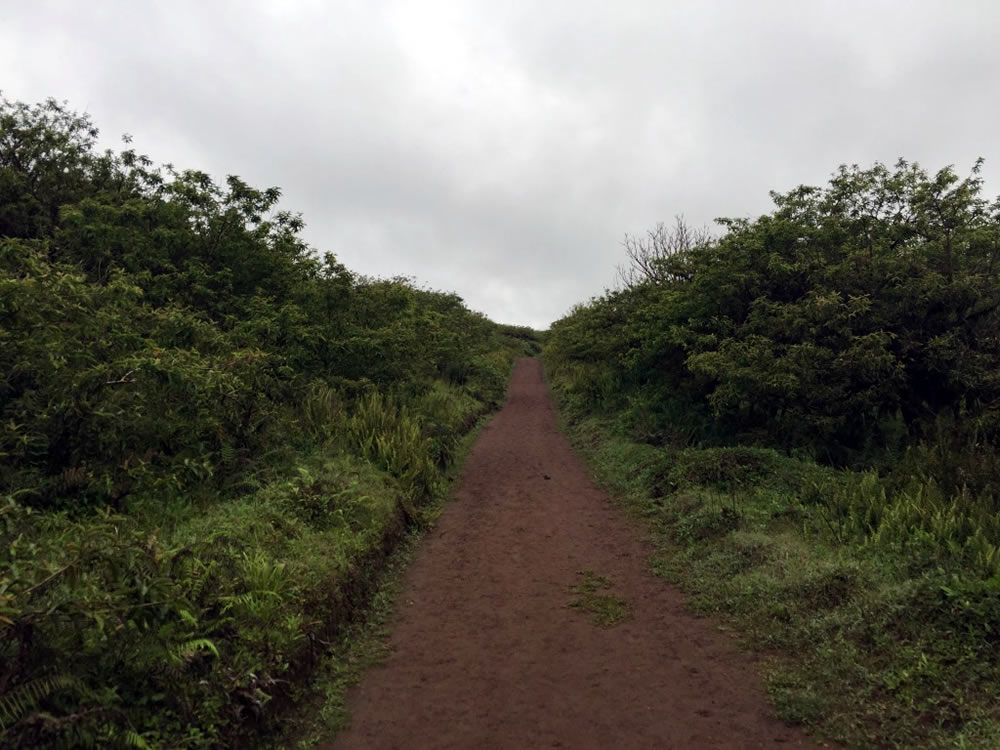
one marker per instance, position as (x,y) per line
(487,654)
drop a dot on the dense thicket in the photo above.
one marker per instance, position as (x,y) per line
(204,430)
(851,321)
(856,325)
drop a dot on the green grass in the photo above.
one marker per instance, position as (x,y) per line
(606,610)
(865,644)
(320,707)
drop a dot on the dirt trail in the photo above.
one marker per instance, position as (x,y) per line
(486,652)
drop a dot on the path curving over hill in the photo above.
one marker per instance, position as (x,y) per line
(487,653)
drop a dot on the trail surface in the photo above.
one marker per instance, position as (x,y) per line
(488,654)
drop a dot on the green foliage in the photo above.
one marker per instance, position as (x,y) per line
(210,437)
(960,532)
(848,319)
(855,324)
(526,341)
(447,412)
(45,156)
(734,468)
(198,629)
(386,435)
(100,403)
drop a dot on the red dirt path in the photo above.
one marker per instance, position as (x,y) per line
(486,652)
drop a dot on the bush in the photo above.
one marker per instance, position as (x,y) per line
(210,437)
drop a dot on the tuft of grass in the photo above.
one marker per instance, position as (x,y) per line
(796,700)
(606,610)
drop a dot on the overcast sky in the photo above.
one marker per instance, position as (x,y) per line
(502,150)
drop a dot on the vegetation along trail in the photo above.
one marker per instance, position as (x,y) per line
(529,619)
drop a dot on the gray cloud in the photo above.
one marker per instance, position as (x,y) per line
(503,150)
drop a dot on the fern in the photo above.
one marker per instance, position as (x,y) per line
(24,697)
(183,653)
(131,738)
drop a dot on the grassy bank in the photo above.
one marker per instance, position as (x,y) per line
(211,439)
(870,642)
(319,709)
(181,628)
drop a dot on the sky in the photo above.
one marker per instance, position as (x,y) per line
(503,150)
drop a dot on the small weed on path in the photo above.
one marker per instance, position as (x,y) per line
(606,610)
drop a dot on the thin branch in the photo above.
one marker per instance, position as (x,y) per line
(46,580)
(123,379)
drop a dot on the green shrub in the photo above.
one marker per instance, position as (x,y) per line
(210,437)
(201,627)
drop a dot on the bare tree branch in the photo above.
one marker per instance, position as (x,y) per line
(650,257)
(126,378)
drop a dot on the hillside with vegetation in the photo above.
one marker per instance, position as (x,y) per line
(210,439)
(806,408)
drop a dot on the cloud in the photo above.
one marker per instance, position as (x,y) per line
(502,150)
